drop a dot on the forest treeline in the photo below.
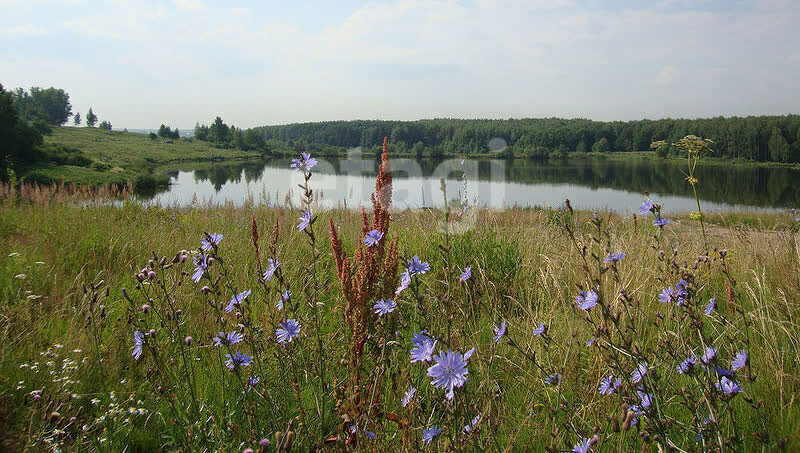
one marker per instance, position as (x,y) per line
(755,138)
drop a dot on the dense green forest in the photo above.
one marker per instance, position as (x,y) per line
(761,138)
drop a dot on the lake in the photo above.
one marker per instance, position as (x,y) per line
(589,183)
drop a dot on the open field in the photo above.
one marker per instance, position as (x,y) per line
(118,157)
(68,378)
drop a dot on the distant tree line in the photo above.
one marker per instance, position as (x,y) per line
(756,138)
(224,136)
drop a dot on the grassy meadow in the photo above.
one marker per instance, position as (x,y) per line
(79,276)
(119,157)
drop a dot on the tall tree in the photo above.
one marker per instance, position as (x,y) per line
(91,118)
(18,141)
(50,105)
(105,125)
(779,149)
(77,119)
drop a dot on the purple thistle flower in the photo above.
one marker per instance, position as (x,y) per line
(409,395)
(661,221)
(553,379)
(304,164)
(229,338)
(540,330)
(138,342)
(405,281)
(608,385)
(728,386)
(739,361)
(709,356)
(615,257)
(284,299)
(423,351)
(207,243)
(583,446)
(372,238)
(646,207)
(587,300)
(237,360)
(499,331)
(200,265)
(466,274)
(430,433)
(667,295)
(384,307)
(417,266)
(712,304)
(287,331)
(305,220)
(639,373)
(272,266)
(237,300)
(450,371)
(687,365)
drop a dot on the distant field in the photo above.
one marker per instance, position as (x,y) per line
(128,149)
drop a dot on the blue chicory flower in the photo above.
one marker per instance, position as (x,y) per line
(608,385)
(466,274)
(272,266)
(449,371)
(138,343)
(430,433)
(712,304)
(586,300)
(408,396)
(305,220)
(237,300)
(287,331)
(229,338)
(417,266)
(687,365)
(304,164)
(237,360)
(384,307)
(207,243)
(372,238)
(709,355)
(739,361)
(499,331)
(615,257)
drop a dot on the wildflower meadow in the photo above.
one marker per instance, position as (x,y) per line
(135,327)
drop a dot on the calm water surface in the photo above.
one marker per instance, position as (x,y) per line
(591,183)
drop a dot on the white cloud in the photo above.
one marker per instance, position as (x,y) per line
(416,58)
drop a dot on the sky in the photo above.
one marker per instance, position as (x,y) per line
(142,63)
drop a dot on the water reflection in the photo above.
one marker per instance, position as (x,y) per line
(591,183)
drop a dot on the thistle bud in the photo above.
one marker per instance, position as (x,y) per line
(188,341)
(145,308)
(152,332)
(205,290)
